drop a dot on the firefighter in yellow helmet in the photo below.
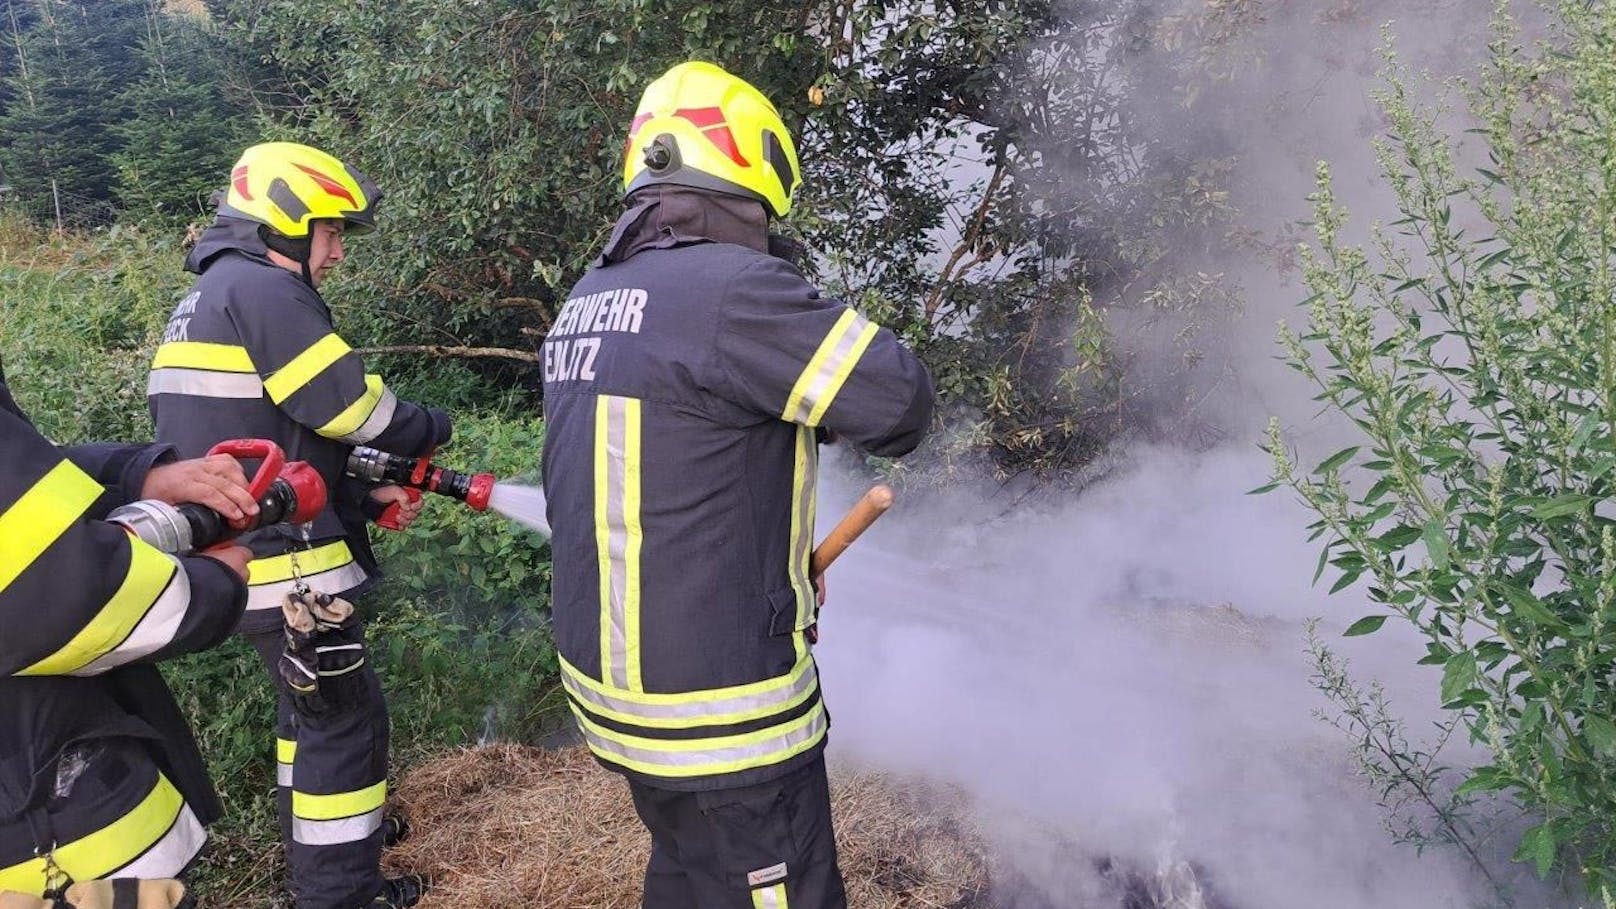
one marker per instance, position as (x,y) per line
(251,352)
(687,382)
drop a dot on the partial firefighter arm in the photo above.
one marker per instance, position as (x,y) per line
(312,374)
(80,596)
(789,353)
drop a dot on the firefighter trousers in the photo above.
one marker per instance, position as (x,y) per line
(331,776)
(766,846)
(119,817)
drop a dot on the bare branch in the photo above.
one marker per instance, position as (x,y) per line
(443,350)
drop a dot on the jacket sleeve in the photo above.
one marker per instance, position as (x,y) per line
(80,596)
(318,380)
(121,469)
(788,353)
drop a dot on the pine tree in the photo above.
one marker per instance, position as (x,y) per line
(181,132)
(56,137)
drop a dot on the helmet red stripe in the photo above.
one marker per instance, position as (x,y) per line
(238,179)
(332,187)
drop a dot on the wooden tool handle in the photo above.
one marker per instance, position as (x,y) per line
(857,520)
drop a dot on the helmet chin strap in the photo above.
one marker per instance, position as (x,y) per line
(298,249)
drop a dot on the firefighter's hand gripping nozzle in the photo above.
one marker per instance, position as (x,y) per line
(417,475)
(287,493)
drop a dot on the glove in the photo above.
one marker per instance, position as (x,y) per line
(122,893)
(319,648)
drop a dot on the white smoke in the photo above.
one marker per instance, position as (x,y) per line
(1080,675)
(1124,676)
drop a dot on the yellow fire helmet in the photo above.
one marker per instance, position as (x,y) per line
(287,186)
(699,126)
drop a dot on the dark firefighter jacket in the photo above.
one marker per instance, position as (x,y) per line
(85,608)
(684,381)
(251,352)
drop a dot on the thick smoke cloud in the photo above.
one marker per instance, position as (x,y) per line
(1124,676)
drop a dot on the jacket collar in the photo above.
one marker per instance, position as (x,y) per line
(666,216)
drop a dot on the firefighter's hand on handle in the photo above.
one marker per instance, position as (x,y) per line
(216,481)
(858,519)
(234,557)
(403,506)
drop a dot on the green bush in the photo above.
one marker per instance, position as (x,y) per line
(1475,350)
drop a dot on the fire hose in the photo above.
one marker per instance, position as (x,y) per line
(287,493)
(417,475)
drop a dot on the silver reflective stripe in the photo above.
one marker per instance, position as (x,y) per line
(819,383)
(336,580)
(332,833)
(752,754)
(703,713)
(283,774)
(614,545)
(169,855)
(155,629)
(377,422)
(804,487)
(204,383)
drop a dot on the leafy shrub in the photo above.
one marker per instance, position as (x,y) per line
(1475,350)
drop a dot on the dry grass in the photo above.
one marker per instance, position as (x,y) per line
(512,825)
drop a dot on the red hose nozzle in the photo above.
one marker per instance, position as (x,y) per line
(479,490)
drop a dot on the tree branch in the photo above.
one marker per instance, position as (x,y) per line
(443,350)
(967,242)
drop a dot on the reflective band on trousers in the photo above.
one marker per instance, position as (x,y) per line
(698,708)
(160,835)
(285,754)
(140,618)
(337,832)
(329,568)
(344,817)
(617,538)
(769,897)
(702,757)
(828,369)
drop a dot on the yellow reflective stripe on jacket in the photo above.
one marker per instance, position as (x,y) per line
(770,897)
(146,588)
(828,369)
(203,355)
(272,569)
(338,805)
(41,515)
(714,707)
(358,422)
(305,367)
(804,486)
(617,538)
(108,849)
(703,757)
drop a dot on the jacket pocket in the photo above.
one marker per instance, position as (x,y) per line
(783,618)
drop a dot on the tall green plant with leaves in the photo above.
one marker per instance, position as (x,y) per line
(1473,344)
